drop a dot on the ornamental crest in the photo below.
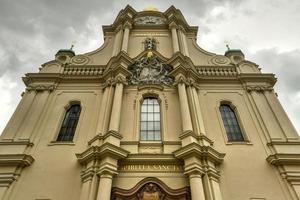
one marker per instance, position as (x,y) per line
(149,20)
(150,70)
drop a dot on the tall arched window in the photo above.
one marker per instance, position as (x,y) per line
(69,124)
(231,124)
(150,120)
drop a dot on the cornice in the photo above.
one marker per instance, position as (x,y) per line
(98,152)
(259,88)
(151,158)
(17,160)
(257,78)
(16,142)
(202,152)
(284,159)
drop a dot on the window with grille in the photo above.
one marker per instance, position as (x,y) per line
(69,124)
(150,120)
(231,124)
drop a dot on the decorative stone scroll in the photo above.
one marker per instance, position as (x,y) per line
(149,20)
(80,60)
(150,70)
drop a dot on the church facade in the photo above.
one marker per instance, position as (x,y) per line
(149,115)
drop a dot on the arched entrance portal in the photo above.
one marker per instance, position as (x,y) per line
(151,189)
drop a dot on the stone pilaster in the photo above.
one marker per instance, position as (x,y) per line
(117,41)
(127,26)
(175,43)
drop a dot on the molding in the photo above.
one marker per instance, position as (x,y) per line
(16,160)
(41,87)
(284,159)
(259,88)
(74,70)
(151,159)
(97,137)
(202,152)
(112,133)
(16,142)
(212,71)
(145,87)
(272,143)
(54,143)
(194,135)
(98,152)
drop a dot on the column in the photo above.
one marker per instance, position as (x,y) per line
(85,190)
(117,42)
(104,110)
(183,43)
(93,189)
(127,26)
(184,108)
(196,186)
(198,110)
(116,109)
(173,28)
(104,189)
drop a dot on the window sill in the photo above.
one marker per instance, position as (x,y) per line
(239,143)
(150,143)
(70,143)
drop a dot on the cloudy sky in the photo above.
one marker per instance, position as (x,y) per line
(268,32)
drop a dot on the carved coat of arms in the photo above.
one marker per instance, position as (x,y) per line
(150,70)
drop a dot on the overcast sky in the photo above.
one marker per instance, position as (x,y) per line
(268,32)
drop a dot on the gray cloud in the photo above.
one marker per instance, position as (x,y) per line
(33,30)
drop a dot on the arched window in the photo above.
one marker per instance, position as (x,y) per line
(231,124)
(150,120)
(69,124)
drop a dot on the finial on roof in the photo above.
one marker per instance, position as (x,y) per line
(72,45)
(150,8)
(228,48)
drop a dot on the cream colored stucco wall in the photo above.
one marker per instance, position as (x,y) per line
(244,173)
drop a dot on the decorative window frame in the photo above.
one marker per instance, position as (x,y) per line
(61,118)
(141,95)
(235,109)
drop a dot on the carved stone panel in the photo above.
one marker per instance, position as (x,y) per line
(150,70)
(149,20)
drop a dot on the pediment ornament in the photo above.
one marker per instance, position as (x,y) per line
(149,20)
(150,192)
(150,70)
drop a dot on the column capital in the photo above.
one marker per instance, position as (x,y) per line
(173,25)
(120,79)
(127,25)
(180,79)
(120,27)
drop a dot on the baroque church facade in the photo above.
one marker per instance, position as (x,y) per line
(149,116)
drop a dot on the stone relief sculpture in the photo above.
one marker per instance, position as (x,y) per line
(150,192)
(149,20)
(150,70)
